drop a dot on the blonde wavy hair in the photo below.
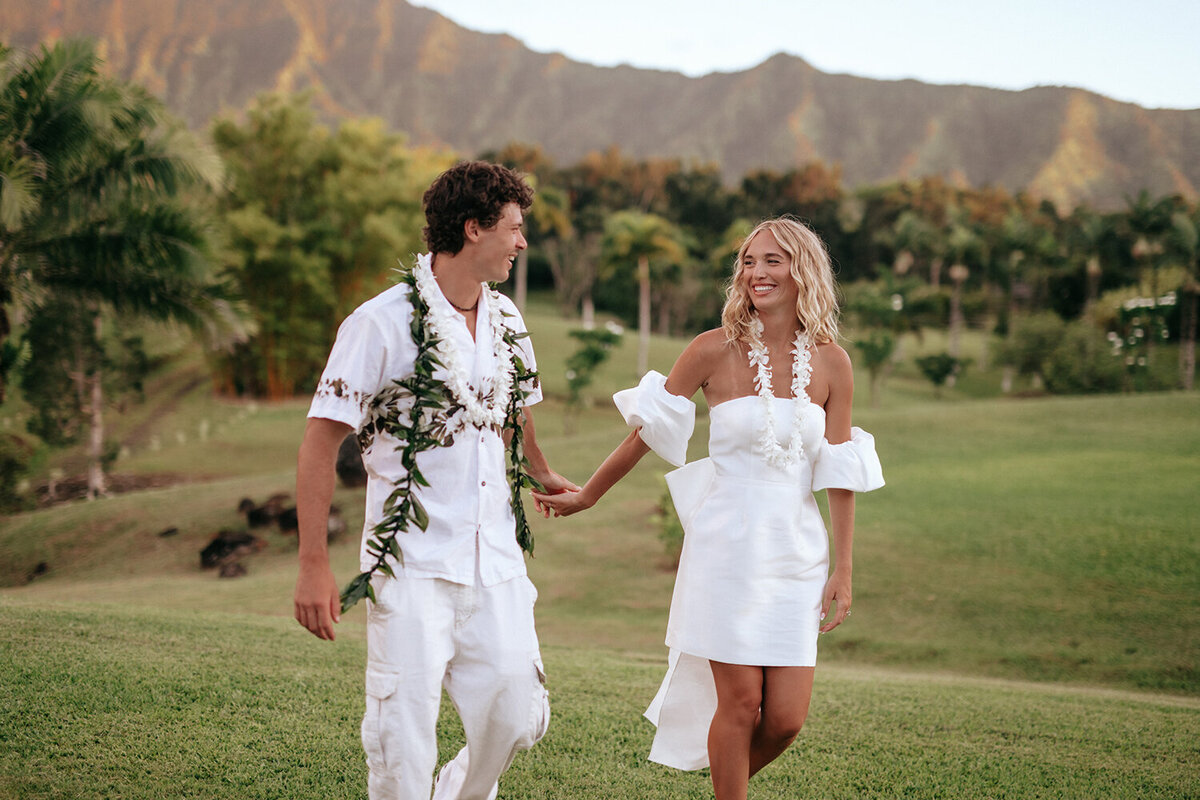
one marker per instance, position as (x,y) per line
(811,269)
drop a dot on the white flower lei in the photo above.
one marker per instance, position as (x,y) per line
(760,361)
(480,409)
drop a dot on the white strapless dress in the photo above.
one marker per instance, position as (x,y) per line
(755,553)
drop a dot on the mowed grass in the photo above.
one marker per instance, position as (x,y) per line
(1048,540)
(145,703)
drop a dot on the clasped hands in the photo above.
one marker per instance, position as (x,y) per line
(564,502)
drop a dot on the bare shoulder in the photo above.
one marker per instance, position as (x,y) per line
(832,375)
(710,343)
(833,358)
(696,363)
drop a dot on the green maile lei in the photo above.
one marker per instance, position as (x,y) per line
(424,426)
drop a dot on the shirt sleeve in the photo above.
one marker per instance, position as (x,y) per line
(352,374)
(852,464)
(666,419)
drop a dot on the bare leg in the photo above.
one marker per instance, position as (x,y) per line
(785,696)
(739,699)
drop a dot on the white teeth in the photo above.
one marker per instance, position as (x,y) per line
(761,288)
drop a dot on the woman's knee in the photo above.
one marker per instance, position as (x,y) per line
(742,702)
(782,725)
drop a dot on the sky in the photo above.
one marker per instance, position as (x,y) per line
(1140,51)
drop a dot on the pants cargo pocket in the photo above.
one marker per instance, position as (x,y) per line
(539,709)
(380,687)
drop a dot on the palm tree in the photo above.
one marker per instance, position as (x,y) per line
(644,239)
(916,239)
(965,247)
(1183,243)
(95,205)
(1147,222)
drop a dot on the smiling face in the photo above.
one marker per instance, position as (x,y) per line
(497,247)
(766,272)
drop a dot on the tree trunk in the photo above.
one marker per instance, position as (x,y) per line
(1006,380)
(275,380)
(95,472)
(1094,271)
(589,312)
(956,325)
(521,291)
(5,330)
(643,360)
(1187,344)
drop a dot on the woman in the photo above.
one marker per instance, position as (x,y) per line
(753,586)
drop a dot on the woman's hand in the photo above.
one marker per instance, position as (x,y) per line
(563,504)
(837,594)
(554,484)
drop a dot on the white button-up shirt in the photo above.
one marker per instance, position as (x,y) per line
(468,499)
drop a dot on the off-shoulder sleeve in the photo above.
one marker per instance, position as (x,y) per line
(666,419)
(852,464)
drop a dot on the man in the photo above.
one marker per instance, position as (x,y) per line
(458,612)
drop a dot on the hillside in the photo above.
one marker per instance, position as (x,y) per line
(445,85)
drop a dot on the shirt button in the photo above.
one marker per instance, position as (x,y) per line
(483,483)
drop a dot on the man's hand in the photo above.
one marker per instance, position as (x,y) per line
(317,602)
(564,503)
(553,483)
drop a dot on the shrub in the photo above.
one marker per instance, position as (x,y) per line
(670,529)
(1083,362)
(938,367)
(1032,339)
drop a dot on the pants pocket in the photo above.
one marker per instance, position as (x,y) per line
(539,708)
(380,687)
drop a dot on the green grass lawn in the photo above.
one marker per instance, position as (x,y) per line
(137,702)
(1027,612)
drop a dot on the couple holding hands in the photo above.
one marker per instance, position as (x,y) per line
(436,376)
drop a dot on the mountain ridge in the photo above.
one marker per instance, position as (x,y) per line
(445,85)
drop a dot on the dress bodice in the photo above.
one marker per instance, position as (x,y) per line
(666,422)
(736,425)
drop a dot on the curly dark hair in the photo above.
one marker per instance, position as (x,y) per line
(474,190)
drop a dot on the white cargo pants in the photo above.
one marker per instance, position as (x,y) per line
(479,643)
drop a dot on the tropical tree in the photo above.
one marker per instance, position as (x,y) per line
(316,222)
(98,215)
(1148,220)
(653,244)
(1088,231)
(918,242)
(964,247)
(573,254)
(1183,243)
